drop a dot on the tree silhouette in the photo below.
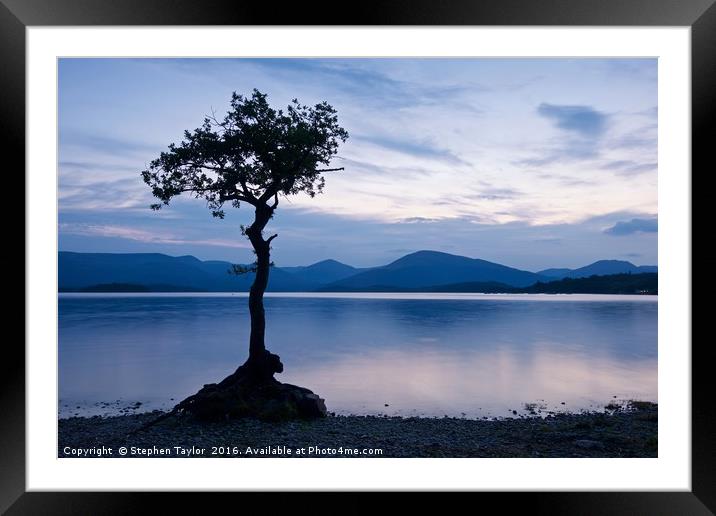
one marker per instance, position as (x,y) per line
(254,155)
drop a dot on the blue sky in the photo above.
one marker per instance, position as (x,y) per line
(533,163)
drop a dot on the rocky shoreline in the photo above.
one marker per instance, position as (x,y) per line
(626,431)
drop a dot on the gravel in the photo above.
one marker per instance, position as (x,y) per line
(630,431)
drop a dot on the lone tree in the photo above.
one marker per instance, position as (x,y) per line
(254,155)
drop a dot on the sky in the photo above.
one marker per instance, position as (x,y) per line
(532,163)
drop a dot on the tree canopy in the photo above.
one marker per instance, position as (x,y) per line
(254,155)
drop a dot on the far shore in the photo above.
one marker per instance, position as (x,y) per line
(619,431)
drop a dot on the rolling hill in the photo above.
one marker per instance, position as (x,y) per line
(428,271)
(80,270)
(599,268)
(321,273)
(429,268)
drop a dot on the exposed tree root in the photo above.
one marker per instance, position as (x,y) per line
(251,391)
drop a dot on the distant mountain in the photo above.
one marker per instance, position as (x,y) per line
(555,273)
(77,271)
(424,269)
(323,272)
(599,268)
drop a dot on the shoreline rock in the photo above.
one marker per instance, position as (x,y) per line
(630,432)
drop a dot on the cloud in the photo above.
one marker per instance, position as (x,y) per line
(418,220)
(383,173)
(634,142)
(633,226)
(644,138)
(78,165)
(638,69)
(494,194)
(420,149)
(106,145)
(629,168)
(141,235)
(360,78)
(584,121)
(78,193)
(566,180)
(583,126)
(517,244)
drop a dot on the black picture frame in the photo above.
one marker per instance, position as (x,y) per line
(17,15)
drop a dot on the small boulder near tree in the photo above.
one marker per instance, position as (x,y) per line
(255,155)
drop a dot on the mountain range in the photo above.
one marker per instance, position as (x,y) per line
(600,268)
(422,270)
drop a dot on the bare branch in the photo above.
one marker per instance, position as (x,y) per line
(222,197)
(248,192)
(198,190)
(237,197)
(268,240)
(244,187)
(329,169)
(200,165)
(270,191)
(213,117)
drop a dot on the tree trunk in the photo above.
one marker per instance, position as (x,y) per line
(257,344)
(260,362)
(252,390)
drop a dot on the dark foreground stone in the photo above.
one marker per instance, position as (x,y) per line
(268,401)
(250,392)
(628,432)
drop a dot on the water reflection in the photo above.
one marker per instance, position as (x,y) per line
(477,357)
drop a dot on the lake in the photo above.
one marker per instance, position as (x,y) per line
(462,355)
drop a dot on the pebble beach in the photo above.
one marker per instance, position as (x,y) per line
(625,431)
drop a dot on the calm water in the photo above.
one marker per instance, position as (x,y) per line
(465,355)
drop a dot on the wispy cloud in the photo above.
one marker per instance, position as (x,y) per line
(564,180)
(493,194)
(418,220)
(632,226)
(359,80)
(416,148)
(79,194)
(109,145)
(629,168)
(145,236)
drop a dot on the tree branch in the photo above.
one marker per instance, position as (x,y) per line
(268,193)
(198,190)
(222,197)
(268,240)
(244,187)
(329,169)
(199,165)
(249,200)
